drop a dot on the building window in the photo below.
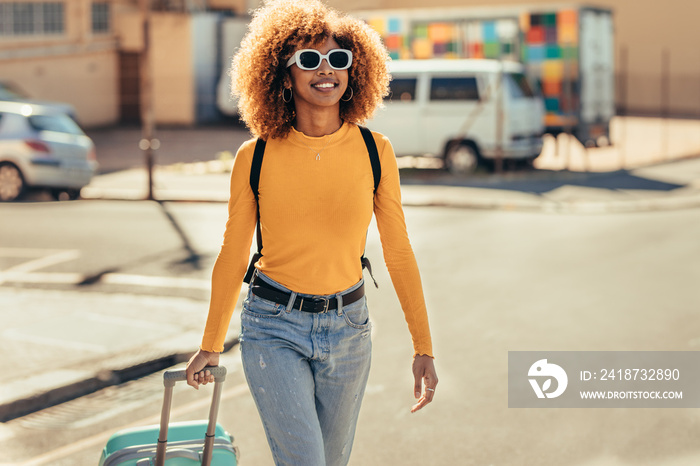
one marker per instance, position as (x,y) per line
(100,17)
(35,18)
(24,18)
(53,18)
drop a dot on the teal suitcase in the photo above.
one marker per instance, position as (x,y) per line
(177,444)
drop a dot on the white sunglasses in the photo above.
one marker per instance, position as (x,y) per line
(310,59)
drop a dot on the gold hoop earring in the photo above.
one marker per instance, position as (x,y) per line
(352,93)
(290,95)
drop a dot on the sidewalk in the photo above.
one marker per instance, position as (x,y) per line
(116,350)
(669,185)
(651,166)
(73,343)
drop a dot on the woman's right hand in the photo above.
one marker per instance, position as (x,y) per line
(195,373)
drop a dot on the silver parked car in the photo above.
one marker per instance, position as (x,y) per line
(10,91)
(42,147)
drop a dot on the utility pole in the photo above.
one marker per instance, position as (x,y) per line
(622,143)
(148,143)
(499,119)
(665,100)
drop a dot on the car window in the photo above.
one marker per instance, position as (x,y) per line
(518,85)
(402,90)
(59,123)
(464,88)
(11,92)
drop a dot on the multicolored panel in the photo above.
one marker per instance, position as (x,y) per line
(392,33)
(421,46)
(435,40)
(550,52)
(474,35)
(567,27)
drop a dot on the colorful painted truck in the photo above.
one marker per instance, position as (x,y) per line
(567,51)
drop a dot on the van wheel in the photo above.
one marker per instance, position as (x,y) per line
(11,182)
(461,159)
(65,194)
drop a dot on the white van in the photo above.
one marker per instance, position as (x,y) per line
(450,109)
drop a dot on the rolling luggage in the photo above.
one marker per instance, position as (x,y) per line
(178,444)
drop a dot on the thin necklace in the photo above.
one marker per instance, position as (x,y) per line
(318,153)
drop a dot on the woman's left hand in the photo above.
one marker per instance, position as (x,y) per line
(424,372)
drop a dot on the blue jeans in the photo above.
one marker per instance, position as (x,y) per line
(307,373)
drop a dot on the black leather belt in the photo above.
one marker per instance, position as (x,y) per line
(315,305)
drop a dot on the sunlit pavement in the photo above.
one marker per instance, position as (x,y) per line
(55,354)
(673,184)
(669,185)
(495,281)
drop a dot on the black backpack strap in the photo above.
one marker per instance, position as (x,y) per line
(255,168)
(377,172)
(373,155)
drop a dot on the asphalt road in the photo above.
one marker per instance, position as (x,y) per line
(495,281)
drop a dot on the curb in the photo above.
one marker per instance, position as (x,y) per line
(468,198)
(570,207)
(429,188)
(102,378)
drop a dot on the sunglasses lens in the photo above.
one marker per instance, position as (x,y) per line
(338,59)
(309,60)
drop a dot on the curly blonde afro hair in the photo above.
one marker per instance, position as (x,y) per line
(276,31)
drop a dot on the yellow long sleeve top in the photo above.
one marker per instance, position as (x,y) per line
(314,217)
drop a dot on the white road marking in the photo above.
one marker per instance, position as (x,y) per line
(27,252)
(52,278)
(46,261)
(109,278)
(51,257)
(156,282)
(26,272)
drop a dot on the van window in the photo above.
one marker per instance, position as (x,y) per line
(402,90)
(518,86)
(454,89)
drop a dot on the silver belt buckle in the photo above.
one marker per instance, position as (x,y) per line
(327,304)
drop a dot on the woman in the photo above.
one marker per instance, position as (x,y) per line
(305,77)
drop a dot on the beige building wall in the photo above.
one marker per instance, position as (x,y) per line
(173,76)
(644,27)
(238,6)
(88,81)
(82,68)
(76,67)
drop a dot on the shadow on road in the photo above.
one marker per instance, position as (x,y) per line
(537,181)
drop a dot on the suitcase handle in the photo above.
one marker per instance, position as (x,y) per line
(172,376)
(169,379)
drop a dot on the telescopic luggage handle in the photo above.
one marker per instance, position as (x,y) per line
(169,379)
(180,375)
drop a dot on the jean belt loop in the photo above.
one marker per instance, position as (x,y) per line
(292,298)
(339,298)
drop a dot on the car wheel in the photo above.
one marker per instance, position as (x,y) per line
(461,159)
(65,194)
(11,182)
